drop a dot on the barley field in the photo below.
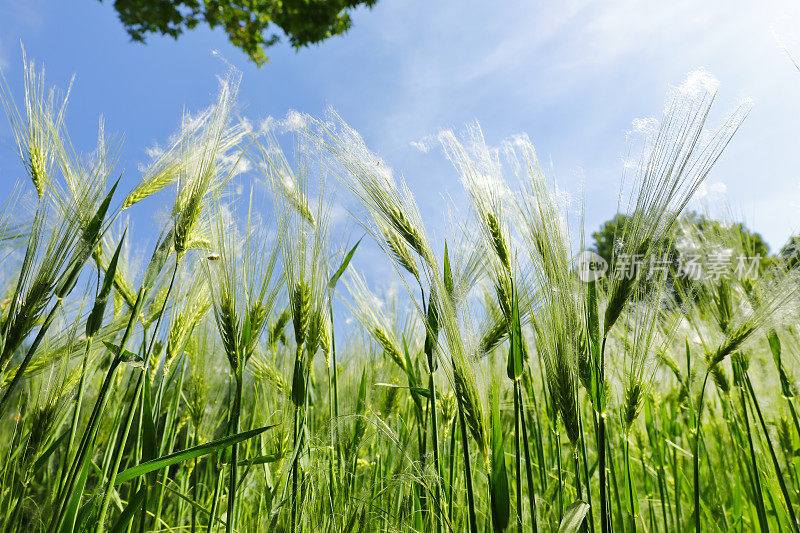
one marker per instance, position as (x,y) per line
(242,370)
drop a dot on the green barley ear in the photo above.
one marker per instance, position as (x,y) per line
(313,336)
(720,378)
(482,176)
(517,351)
(740,364)
(504,291)
(494,333)
(35,129)
(389,347)
(288,185)
(466,390)
(401,252)
(775,347)
(666,359)
(324,336)
(390,403)
(264,370)
(670,171)
(182,327)
(43,425)
(785,438)
(633,397)
(406,230)
(276,331)
(369,311)
(431,333)
(733,341)
(164,173)
(567,398)
(185,223)
(90,238)
(372,183)
(228,328)
(300,298)
(498,241)
(622,291)
(255,322)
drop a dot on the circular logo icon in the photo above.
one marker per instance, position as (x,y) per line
(589,266)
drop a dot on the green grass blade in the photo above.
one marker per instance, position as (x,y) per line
(573,517)
(130,511)
(498,477)
(185,455)
(343,266)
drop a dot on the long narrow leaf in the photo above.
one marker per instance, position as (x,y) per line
(185,455)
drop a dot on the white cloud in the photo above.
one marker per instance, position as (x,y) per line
(714,191)
(698,83)
(294,121)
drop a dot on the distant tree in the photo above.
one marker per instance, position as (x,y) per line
(753,243)
(606,240)
(790,252)
(250,24)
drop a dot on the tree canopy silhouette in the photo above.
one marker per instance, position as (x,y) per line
(251,25)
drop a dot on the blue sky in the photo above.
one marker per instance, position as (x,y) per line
(572,75)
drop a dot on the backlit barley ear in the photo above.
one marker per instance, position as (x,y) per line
(372,183)
(495,333)
(35,129)
(406,230)
(164,174)
(182,327)
(667,360)
(388,347)
(37,170)
(401,252)
(672,170)
(498,241)
(185,223)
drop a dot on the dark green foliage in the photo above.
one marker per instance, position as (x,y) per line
(791,251)
(251,26)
